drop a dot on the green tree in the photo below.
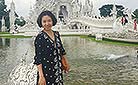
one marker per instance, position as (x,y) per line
(106,10)
(2,11)
(0,25)
(20,22)
(7,21)
(2,7)
(135,15)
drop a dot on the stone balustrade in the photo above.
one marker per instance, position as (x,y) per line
(23,74)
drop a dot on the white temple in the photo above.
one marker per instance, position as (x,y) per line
(71,13)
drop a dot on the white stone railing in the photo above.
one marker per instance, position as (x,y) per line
(23,74)
(95,22)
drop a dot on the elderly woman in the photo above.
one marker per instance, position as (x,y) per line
(49,52)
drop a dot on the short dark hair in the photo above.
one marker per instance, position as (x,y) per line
(46,13)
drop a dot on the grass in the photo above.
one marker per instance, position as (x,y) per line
(108,41)
(15,36)
(4,33)
(73,35)
(9,35)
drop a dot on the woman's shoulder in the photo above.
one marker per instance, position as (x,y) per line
(57,33)
(39,36)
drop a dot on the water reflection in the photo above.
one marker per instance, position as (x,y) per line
(83,48)
(4,42)
(83,56)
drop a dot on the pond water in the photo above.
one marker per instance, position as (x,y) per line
(88,60)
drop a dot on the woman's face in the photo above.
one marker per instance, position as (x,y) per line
(47,22)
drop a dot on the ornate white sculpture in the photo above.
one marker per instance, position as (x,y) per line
(114,11)
(3,29)
(87,8)
(74,7)
(12,16)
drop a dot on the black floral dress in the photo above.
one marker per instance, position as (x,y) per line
(49,54)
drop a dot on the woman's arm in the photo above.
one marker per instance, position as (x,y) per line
(42,80)
(38,59)
(39,67)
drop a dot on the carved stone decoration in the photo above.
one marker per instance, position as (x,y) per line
(73,8)
(23,74)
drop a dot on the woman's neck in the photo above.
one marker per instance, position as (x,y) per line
(48,31)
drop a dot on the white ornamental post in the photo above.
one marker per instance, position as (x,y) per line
(12,17)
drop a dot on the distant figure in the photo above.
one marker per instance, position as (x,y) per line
(137,53)
(124,20)
(135,24)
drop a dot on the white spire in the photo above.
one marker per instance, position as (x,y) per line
(114,7)
(114,12)
(12,2)
(12,16)
(12,5)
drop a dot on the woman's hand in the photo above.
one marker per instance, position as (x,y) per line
(65,65)
(42,81)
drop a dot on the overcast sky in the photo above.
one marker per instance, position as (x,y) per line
(22,6)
